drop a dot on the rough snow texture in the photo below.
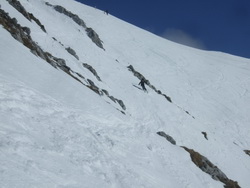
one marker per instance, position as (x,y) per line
(56,132)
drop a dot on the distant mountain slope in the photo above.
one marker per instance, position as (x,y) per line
(73,115)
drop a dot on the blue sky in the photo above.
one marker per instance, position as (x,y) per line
(218,25)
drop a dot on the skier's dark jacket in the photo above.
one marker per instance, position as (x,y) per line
(142,83)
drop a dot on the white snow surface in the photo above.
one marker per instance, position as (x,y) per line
(55,132)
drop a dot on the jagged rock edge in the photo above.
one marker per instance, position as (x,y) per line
(247,152)
(18,6)
(68,49)
(208,167)
(19,33)
(92,70)
(140,76)
(90,32)
(167,137)
(204,164)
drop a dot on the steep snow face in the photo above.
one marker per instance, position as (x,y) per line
(55,131)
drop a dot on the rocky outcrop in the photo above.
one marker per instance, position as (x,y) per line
(120,102)
(37,21)
(204,134)
(247,152)
(93,87)
(140,76)
(92,70)
(99,91)
(72,52)
(206,166)
(68,49)
(94,37)
(64,11)
(168,138)
(90,32)
(22,34)
(18,6)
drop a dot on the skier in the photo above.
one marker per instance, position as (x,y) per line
(142,83)
(106,12)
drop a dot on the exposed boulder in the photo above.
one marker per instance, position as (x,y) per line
(26,30)
(168,138)
(92,70)
(120,102)
(72,52)
(94,37)
(205,135)
(93,87)
(206,166)
(74,17)
(247,152)
(105,92)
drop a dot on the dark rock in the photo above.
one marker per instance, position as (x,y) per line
(74,17)
(37,22)
(18,6)
(26,30)
(105,92)
(93,87)
(168,138)
(247,152)
(131,68)
(48,4)
(168,98)
(61,9)
(78,20)
(72,52)
(205,134)
(112,98)
(90,32)
(81,76)
(92,70)
(22,34)
(140,76)
(206,166)
(120,102)
(14,21)
(94,37)
(136,74)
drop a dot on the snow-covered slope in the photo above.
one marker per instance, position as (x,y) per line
(86,124)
